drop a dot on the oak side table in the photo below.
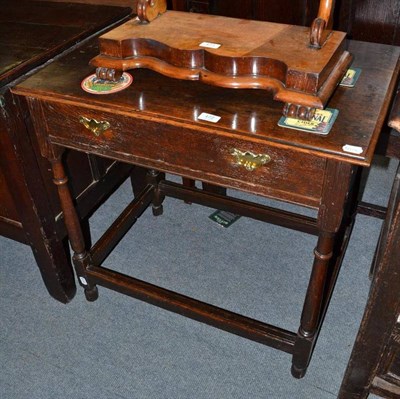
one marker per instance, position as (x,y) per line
(155,125)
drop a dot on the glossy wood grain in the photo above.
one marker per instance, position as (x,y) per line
(277,58)
(242,112)
(153,141)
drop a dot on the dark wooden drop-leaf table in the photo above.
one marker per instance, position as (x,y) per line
(31,34)
(155,125)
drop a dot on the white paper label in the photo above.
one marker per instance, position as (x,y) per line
(210,45)
(83,280)
(209,117)
(353,149)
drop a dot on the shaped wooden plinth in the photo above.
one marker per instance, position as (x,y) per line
(231,53)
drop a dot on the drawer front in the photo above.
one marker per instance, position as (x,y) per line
(189,151)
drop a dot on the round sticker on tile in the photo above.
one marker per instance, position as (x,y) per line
(92,84)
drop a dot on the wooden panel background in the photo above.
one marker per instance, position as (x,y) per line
(376,20)
(124,3)
(368,20)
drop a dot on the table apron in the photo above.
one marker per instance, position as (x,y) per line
(190,151)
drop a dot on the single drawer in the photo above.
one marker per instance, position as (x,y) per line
(194,151)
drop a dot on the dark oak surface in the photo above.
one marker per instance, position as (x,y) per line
(242,113)
(300,67)
(251,54)
(154,124)
(31,33)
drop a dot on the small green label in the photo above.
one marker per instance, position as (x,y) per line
(321,123)
(223,218)
(351,77)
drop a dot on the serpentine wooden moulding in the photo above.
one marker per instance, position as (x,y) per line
(299,65)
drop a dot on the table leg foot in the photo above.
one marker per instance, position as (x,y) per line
(298,111)
(298,373)
(304,346)
(313,305)
(158,210)
(91,293)
(81,263)
(110,74)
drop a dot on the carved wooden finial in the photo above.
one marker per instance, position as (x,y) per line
(147,10)
(322,25)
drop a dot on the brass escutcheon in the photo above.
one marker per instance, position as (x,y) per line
(249,160)
(96,127)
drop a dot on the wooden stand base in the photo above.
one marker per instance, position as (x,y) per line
(232,53)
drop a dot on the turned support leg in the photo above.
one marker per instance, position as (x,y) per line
(312,309)
(81,258)
(108,74)
(298,111)
(154,177)
(333,219)
(312,306)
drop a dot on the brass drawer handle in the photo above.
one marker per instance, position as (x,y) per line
(249,160)
(96,127)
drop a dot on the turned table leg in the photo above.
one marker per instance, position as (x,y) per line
(335,215)
(312,309)
(81,258)
(154,177)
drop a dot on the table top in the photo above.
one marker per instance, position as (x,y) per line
(246,113)
(290,44)
(31,32)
